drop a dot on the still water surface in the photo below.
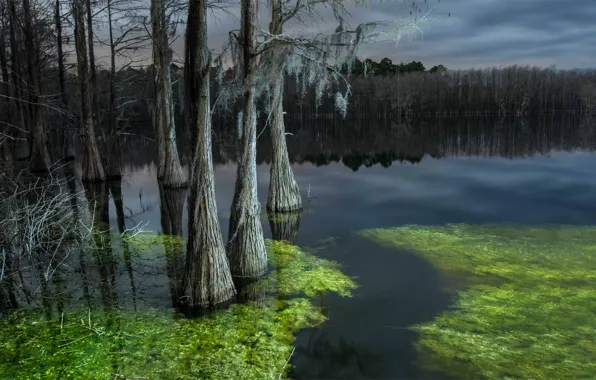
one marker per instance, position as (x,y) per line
(532,173)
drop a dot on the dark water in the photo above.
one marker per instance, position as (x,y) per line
(533,172)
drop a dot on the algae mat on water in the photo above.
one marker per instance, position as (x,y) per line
(245,341)
(526,308)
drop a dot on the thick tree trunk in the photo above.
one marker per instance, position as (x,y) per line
(284,193)
(21,149)
(92,165)
(114,166)
(40,159)
(92,68)
(248,257)
(207,278)
(169,169)
(67,131)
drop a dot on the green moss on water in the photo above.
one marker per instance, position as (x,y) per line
(245,341)
(300,272)
(526,308)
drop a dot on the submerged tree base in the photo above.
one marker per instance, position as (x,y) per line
(527,301)
(250,341)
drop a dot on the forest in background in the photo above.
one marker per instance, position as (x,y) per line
(397,92)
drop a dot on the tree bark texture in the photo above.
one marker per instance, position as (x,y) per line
(248,257)
(169,169)
(114,165)
(284,193)
(92,166)
(92,68)
(22,149)
(67,131)
(207,278)
(40,159)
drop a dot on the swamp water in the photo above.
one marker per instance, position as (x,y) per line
(449,250)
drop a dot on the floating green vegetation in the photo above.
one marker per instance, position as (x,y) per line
(528,309)
(245,341)
(299,272)
(149,241)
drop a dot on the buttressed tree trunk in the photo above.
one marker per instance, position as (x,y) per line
(248,257)
(169,169)
(92,167)
(40,159)
(207,278)
(284,193)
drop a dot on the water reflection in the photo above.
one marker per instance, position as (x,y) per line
(171,207)
(350,181)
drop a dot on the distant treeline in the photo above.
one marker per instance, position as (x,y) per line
(387,92)
(514,90)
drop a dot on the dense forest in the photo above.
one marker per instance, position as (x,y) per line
(403,91)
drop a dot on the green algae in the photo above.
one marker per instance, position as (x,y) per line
(299,272)
(252,340)
(526,306)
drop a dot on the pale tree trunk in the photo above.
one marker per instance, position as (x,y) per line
(284,193)
(92,167)
(40,159)
(22,149)
(67,131)
(169,170)
(248,257)
(114,167)
(92,68)
(207,278)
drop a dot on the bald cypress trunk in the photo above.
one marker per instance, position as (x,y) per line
(114,165)
(248,257)
(22,149)
(40,159)
(169,169)
(92,68)
(284,193)
(92,165)
(67,130)
(207,278)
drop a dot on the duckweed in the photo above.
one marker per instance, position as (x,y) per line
(526,306)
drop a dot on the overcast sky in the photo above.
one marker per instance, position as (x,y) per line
(478,33)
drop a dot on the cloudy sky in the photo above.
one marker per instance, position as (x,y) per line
(478,33)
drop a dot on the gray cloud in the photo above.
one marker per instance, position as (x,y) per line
(479,33)
(483,33)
